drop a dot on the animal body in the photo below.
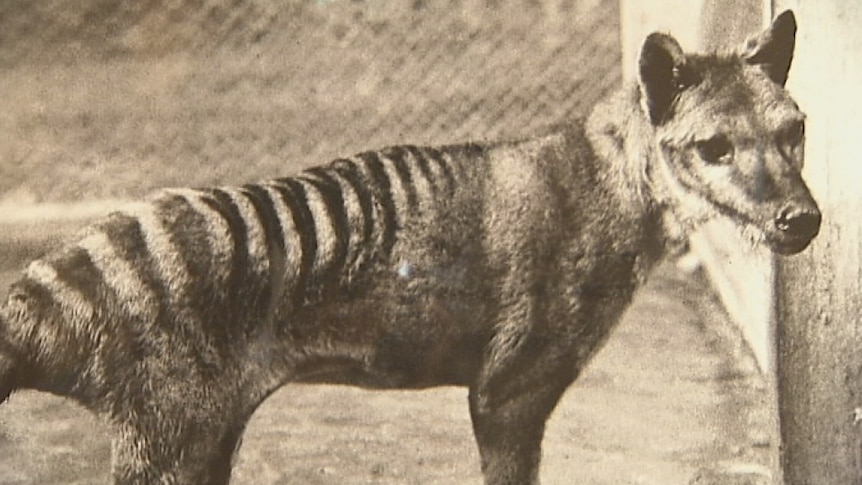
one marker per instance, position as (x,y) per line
(501,267)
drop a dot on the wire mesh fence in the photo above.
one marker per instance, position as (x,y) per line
(113,99)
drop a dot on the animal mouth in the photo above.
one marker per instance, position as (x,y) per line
(788,248)
(780,240)
(787,244)
(794,227)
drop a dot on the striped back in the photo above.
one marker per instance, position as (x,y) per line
(204,265)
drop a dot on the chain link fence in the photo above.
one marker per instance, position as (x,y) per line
(112,99)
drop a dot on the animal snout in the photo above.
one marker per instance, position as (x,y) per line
(798,221)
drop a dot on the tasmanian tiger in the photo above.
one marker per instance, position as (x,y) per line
(501,267)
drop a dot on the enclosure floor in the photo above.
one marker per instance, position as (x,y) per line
(671,397)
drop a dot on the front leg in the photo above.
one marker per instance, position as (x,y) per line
(527,369)
(509,426)
(510,438)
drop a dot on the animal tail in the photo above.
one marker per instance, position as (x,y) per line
(9,369)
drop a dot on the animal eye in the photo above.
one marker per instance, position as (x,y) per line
(716,150)
(792,135)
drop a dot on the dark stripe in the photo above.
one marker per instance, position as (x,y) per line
(380,183)
(333,201)
(352,175)
(239,288)
(204,311)
(75,268)
(684,170)
(398,157)
(187,230)
(39,302)
(294,197)
(722,207)
(110,320)
(682,181)
(437,157)
(268,216)
(126,236)
(223,203)
(276,254)
(422,164)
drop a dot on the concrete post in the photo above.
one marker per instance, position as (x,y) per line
(819,301)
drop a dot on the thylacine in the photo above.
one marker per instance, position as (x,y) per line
(501,267)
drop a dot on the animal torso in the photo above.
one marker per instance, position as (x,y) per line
(396,268)
(511,233)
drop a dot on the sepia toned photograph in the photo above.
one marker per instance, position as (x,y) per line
(499,242)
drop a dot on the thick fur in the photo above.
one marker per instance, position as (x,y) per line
(501,267)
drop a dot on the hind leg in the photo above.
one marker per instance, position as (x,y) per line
(176,451)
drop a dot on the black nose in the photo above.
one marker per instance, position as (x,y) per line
(798,221)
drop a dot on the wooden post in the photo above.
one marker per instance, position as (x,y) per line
(819,297)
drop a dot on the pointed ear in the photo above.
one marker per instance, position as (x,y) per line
(772,50)
(661,74)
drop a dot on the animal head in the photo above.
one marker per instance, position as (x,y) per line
(728,137)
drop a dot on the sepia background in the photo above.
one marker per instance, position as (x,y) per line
(105,101)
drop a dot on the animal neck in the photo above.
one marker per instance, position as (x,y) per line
(624,139)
